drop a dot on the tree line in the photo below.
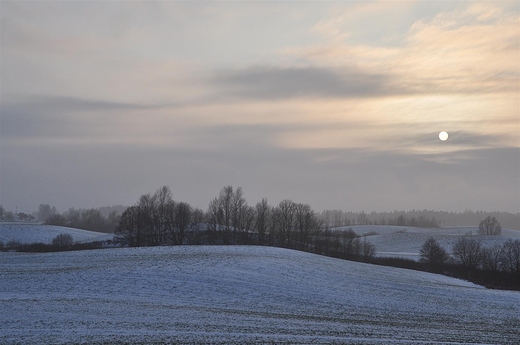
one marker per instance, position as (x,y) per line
(87,219)
(337,218)
(492,266)
(469,253)
(156,219)
(417,218)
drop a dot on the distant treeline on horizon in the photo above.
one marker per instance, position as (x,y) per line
(330,218)
(419,218)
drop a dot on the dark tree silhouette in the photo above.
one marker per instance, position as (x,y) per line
(490,227)
(511,256)
(263,218)
(63,241)
(285,215)
(56,219)
(467,252)
(491,258)
(130,229)
(433,254)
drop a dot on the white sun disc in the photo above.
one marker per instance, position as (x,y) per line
(443,136)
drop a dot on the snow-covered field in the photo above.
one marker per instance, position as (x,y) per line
(230,295)
(406,242)
(39,233)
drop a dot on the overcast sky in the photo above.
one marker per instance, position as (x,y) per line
(335,104)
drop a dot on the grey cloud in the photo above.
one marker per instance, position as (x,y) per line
(456,139)
(246,136)
(51,116)
(72,104)
(463,138)
(280,83)
(250,135)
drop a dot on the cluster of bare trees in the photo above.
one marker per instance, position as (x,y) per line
(417,218)
(9,216)
(233,221)
(231,216)
(338,218)
(157,219)
(469,253)
(87,219)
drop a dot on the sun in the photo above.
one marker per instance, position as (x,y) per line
(443,136)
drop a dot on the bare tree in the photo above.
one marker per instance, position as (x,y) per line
(285,216)
(73,217)
(490,227)
(183,221)
(306,223)
(511,256)
(130,228)
(45,211)
(56,219)
(467,252)
(432,253)
(350,242)
(91,219)
(491,258)
(368,249)
(163,201)
(62,241)
(263,215)
(242,216)
(220,215)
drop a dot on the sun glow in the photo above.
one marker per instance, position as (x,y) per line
(443,136)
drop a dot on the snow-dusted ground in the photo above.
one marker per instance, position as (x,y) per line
(39,233)
(405,241)
(230,295)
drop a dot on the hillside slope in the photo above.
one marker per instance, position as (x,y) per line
(406,241)
(228,294)
(39,233)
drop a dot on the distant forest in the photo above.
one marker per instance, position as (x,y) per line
(106,218)
(418,218)
(109,218)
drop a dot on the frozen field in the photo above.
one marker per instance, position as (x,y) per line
(38,233)
(231,295)
(406,242)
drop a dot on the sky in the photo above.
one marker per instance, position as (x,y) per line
(334,104)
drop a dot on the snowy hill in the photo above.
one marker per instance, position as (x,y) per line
(236,295)
(39,233)
(406,241)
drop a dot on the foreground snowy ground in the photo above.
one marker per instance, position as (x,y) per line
(232,295)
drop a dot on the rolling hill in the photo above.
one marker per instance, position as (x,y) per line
(406,242)
(237,295)
(27,233)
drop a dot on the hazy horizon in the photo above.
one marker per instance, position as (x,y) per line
(334,104)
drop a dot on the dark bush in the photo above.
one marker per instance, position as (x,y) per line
(433,254)
(63,241)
